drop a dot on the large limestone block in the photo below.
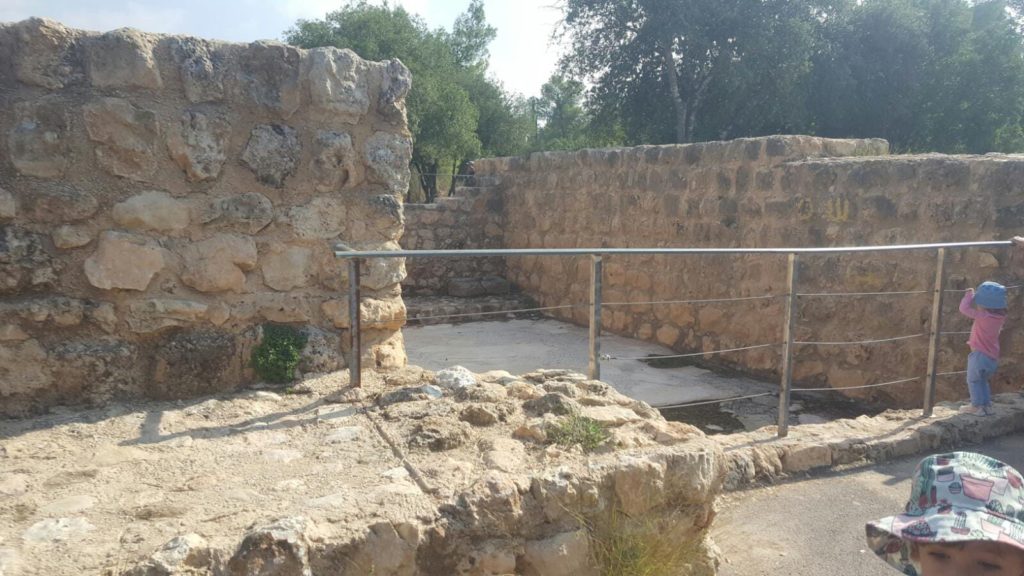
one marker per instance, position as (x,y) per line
(38,142)
(219,264)
(387,158)
(324,217)
(272,153)
(246,213)
(146,316)
(286,267)
(374,314)
(333,162)
(41,53)
(337,84)
(124,261)
(55,202)
(126,137)
(202,69)
(269,76)
(23,368)
(198,144)
(123,59)
(566,554)
(152,210)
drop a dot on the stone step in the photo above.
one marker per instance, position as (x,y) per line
(453,310)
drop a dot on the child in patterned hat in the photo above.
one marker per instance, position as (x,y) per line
(989,317)
(965,517)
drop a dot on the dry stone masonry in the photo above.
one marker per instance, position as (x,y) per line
(763,192)
(161,197)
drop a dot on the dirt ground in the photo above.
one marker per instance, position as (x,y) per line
(94,491)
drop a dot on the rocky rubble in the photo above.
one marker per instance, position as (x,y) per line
(417,473)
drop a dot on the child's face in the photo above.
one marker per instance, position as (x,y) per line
(970,559)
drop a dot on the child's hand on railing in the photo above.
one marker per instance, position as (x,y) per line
(1018,241)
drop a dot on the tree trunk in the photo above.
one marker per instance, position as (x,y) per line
(682,134)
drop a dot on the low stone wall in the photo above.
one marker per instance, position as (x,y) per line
(777,191)
(472,219)
(161,197)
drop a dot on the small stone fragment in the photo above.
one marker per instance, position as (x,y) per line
(123,59)
(8,206)
(387,158)
(556,404)
(38,142)
(126,137)
(248,213)
(219,263)
(333,161)
(455,378)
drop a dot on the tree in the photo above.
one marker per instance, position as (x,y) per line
(655,63)
(453,107)
(938,75)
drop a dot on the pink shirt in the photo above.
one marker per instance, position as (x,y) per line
(985,331)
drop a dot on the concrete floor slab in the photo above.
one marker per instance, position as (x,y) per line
(521,346)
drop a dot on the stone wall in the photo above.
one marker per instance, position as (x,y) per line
(778,191)
(474,218)
(162,197)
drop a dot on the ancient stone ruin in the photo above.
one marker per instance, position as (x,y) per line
(162,197)
(784,191)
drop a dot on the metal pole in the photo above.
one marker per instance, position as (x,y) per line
(936,331)
(355,369)
(786,385)
(595,316)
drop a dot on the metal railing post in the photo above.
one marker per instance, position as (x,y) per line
(935,331)
(786,385)
(596,266)
(355,369)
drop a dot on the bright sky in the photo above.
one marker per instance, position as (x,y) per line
(522,56)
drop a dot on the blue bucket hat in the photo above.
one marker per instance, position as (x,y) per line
(991,295)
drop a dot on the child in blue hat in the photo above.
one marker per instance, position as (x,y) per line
(987,307)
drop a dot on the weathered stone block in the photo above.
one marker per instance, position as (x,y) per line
(567,554)
(123,59)
(198,144)
(219,263)
(38,142)
(8,206)
(286,267)
(387,160)
(272,153)
(58,202)
(153,210)
(23,368)
(43,53)
(374,314)
(146,316)
(247,213)
(337,84)
(202,69)
(333,162)
(269,76)
(394,87)
(24,261)
(124,261)
(323,218)
(193,363)
(70,236)
(126,136)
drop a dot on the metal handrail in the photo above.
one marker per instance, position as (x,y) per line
(355,257)
(343,251)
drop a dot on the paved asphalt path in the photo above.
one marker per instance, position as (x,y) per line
(815,526)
